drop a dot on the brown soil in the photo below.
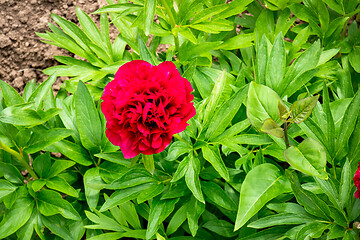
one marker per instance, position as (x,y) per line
(22,55)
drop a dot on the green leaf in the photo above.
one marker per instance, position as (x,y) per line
(270,233)
(335,5)
(261,105)
(338,215)
(347,125)
(237,42)
(130,214)
(64,41)
(154,190)
(345,184)
(11,173)
(177,220)
(48,114)
(11,96)
(281,219)
(59,184)
(42,164)
(284,21)
(119,8)
(212,155)
(24,116)
(149,11)
(177,149)
(20,115)
(276,65)
(58,167)
(51,203)
(43,138)
(124,195)
(38,95)
(131,178)
(214,99)
(336,231)
(192,178)
(6,188)
(68,119)
(259,188)
(329,119)
(16,217)
(215,26)
(329,188)
(225,114)
(251,139)
(73,31)
(208,12)
(194,209)
(218,196)
(90,29)
(300,82)
(311,202)
(145,53)
(56,225)
(110,172)
(115,157)
(148,161)
(308,60)
(261,61)
(38,184)
(181,169)
(272,128)
(308,157)
(26,231)
(354,58)
(92,177)
(233,130)
(265,25)
(220,227)
(186,32)
(103,222)
(136,234)
(87,119)
(234,8)
(303,108)
(313,230)
(74,152)
(159,211)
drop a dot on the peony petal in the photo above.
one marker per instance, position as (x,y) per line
(130,70)
(145,111)
(168,69)
(143,147)
(142,129)
(156,143)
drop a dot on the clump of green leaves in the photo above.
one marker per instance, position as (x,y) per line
(270,154)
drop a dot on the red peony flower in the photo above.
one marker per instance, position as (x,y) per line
(357,182)
(145,106)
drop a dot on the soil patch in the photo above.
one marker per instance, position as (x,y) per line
(22,55)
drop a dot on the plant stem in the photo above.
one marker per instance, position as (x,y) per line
(21,158)
(172,23)
(334,171)
(286,138)
(177,43)
(168,11)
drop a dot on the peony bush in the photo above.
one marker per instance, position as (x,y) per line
(245,127)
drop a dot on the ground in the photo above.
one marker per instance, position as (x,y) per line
(22,55)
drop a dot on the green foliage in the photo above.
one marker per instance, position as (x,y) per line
(270,154)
